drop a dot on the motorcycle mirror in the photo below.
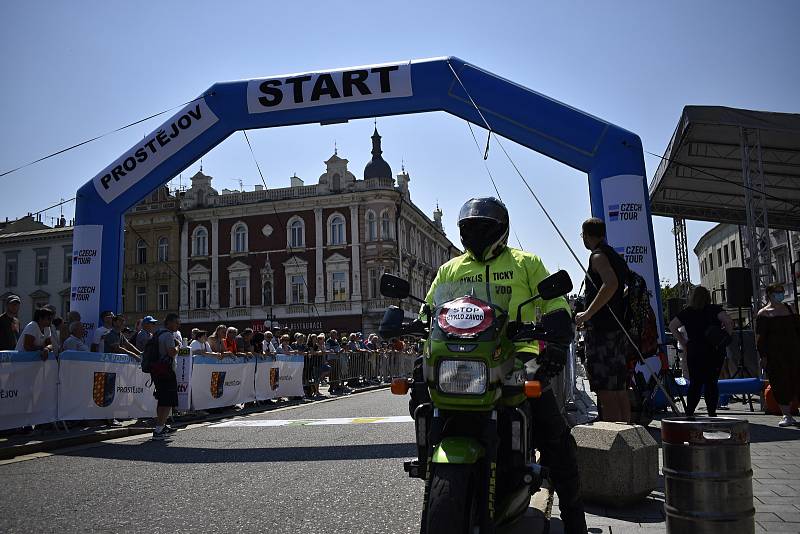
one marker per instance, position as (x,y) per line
(394,286)
(392,323)
(556,285)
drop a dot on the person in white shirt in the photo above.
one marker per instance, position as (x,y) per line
(32,337)
(268,344)
(75,341)
(200,345)
(100,332)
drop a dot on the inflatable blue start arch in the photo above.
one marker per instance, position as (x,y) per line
(610,155)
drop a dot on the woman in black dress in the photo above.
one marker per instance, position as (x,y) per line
(703,358)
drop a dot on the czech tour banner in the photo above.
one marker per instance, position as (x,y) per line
(217,383)
(628,228)
(103,386)
(84,296)
(27,389)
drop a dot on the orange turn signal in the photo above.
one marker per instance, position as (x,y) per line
(533,389)
(400,386)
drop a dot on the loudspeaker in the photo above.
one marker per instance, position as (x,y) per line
(739,284)
(674,306)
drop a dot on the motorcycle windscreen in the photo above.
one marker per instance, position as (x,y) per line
(466,309)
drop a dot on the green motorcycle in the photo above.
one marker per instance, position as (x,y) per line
(468,401)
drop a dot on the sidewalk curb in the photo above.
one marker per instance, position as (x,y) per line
(13,451)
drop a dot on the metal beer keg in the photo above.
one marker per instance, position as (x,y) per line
(707,475)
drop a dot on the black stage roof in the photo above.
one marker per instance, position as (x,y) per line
(700,177)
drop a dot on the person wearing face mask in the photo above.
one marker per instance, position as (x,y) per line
(778,342)
(702,356)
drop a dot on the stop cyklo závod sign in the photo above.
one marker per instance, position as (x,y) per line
(465,316)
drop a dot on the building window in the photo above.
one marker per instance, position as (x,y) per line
(163,297)
(42,263)
(296,233)
(296,273)
(386,226)
(710,261)
(725,251)
(298,288)
(239,238)
(733,250)
(780,262)
(336,183)
(373,288)
(200,294)
(141,252)
(12,269)
(339,286)
(200,242)
(141,298)
(337,234)
(266,293)
(240,291)
(372,226)
(719,257)
(163,249)
(67,264)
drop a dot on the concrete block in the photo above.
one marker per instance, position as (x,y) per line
(618,463)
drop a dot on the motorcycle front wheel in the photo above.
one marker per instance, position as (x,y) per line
(453,503)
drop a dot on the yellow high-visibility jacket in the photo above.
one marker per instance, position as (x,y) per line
(515,269)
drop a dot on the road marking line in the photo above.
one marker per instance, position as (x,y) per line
(314,422)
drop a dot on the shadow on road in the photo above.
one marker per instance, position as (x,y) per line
(161,452)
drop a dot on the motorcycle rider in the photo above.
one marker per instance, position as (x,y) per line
(484,225)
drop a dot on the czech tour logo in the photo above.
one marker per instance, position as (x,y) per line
(103,390)
(274,378)
(613,212)
(217,383)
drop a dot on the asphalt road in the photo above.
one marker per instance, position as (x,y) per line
(276,479)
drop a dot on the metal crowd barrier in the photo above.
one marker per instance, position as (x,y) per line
(356,368)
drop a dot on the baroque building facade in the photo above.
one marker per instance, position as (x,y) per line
(151,277)
(308,257)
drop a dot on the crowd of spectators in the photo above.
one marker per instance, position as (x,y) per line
(329,356)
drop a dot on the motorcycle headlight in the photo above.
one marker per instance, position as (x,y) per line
(463,376)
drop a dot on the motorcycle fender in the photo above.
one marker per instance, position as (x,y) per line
(458,450)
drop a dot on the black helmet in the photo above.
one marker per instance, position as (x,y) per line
(483,224)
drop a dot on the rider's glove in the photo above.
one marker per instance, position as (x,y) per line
(552,360)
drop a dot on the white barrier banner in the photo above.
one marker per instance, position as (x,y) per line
(290,375)
(218,383)
(27,389)
(247,392)
(183,372)
(103,386)
(266,381)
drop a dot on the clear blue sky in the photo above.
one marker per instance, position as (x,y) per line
(73,70)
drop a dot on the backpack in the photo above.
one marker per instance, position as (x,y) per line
(639,318)
(150,354)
